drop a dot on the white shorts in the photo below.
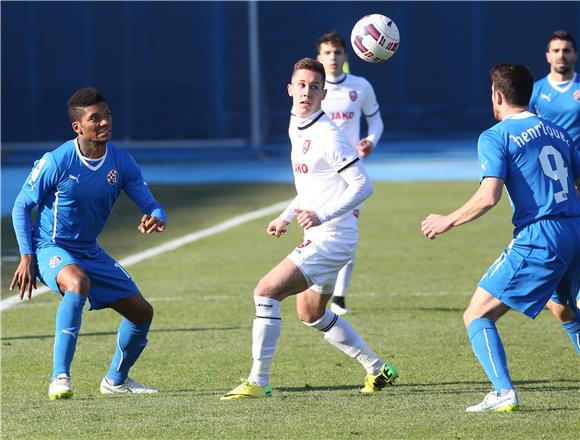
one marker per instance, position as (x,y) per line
(320,262)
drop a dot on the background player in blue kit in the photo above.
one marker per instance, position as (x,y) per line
(75,188)
(556,97)
(540,167)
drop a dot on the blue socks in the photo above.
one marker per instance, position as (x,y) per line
(131,340)
(68,325)
(573,330)
(489,351)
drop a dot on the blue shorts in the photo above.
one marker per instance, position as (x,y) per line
(543,260)
(110,282)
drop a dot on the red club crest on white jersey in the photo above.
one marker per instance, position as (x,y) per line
(306,146)
(353,95)
(112,176)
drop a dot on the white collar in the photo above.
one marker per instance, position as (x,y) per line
(85,160)
(558,84)
(302,122)
(521,115)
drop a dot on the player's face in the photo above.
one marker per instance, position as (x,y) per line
(96,123)
(307,92)
(332,58)
(561,56)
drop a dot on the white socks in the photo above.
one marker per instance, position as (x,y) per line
(265,333)
(340,333)
(343,279)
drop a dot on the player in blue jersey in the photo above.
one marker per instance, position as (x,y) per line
(557,98)
(75,188)
(540,167)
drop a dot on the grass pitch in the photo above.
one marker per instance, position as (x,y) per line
(407,294)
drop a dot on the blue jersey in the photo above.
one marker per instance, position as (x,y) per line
(559,103)
(538,163)
(76,195)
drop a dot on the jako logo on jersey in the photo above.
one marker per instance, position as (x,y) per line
(113,176)
(306,146)
(576,95)
(352,95)
(54,261)
(306,243)
(300,168)
(341,115)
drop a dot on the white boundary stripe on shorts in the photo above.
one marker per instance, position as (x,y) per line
(173,244)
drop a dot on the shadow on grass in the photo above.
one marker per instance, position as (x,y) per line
(440,309)
(160,330)
(439,388)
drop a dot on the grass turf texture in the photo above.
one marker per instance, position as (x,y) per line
(407,293)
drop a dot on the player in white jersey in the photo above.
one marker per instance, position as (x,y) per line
(330,183)
(347,100)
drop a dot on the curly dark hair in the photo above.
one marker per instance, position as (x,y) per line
(83,98)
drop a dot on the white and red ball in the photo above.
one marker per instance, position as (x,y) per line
(375,38)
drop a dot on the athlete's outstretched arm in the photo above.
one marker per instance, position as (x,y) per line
(25,275)
(485,198)
(277,227)
(375,131)
(359,189)
(154,217)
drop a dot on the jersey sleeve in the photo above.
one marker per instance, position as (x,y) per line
(492,155)
(42,179)
(534,99)
(370,106)
(338,153)
(575,159)
(138,191)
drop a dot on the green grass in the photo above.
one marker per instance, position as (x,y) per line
(407,293)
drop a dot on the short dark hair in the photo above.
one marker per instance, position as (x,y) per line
(333,38)
(562,35)
(514,81)
(83,98)
(309,64)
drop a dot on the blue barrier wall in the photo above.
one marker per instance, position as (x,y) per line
(179,70)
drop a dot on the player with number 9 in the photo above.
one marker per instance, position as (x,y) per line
(540,166)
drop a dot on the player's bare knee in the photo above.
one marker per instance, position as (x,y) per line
(563,313)
(309,316)
(145,313)
(467,317)
(79,283)
(265,289)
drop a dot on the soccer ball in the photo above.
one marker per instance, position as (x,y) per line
(375,38)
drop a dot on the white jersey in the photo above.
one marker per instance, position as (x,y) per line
(320,151)
(346,101)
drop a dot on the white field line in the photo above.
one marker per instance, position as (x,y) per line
(173,244)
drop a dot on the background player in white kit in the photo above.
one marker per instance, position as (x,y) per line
(347,100)
(330,183)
